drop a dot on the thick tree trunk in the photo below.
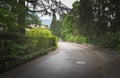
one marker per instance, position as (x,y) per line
(21,16)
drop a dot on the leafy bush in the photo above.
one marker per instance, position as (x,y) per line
(17,48)
(36,32)
(118,42)
(40,39)
(77,39)
(11,42)
(80,39)
(109,40)
(70,38)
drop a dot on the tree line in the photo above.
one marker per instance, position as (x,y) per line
(13,13)
(19,43)
(97,20)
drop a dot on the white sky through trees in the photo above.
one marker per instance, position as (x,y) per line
(68,3)
(46,20)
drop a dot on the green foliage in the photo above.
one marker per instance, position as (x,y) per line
(11,42)
(32,19)
(96,21)
(17,48)
(80,39)
(6,16)
(109,40)
(69,31)
(36,32)
(55,26)
(118,42)
(76,39)
(40,39)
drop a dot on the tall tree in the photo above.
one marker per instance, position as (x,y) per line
(44,7)
(55,25)
(32,19)
(94,18)
(21,13)
(114,8)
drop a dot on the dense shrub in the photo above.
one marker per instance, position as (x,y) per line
(36,32)
(118,42)
(109,40)
(17,48)
(80,39)
(40,39)
(76,39)
(11,42)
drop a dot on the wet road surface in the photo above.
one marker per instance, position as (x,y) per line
(68,61)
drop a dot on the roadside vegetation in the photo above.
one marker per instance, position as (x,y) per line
(18,49)
(94,22)
(89,21)
(19,43)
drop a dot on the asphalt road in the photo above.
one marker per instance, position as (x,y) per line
(68,61)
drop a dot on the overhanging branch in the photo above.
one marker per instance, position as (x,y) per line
(46,6)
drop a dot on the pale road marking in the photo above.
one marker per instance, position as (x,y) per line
(80,62)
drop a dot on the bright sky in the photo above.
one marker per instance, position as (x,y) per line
(68,2)
(65,2)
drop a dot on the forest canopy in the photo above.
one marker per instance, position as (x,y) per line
(14,12)
(96,20)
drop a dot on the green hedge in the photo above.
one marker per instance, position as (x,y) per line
(17,49)
(108,40)
(76,39)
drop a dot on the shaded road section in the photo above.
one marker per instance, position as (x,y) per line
(68,61)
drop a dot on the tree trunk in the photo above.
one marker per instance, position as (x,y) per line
(21,12)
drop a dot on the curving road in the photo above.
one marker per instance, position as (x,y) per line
(68,61)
